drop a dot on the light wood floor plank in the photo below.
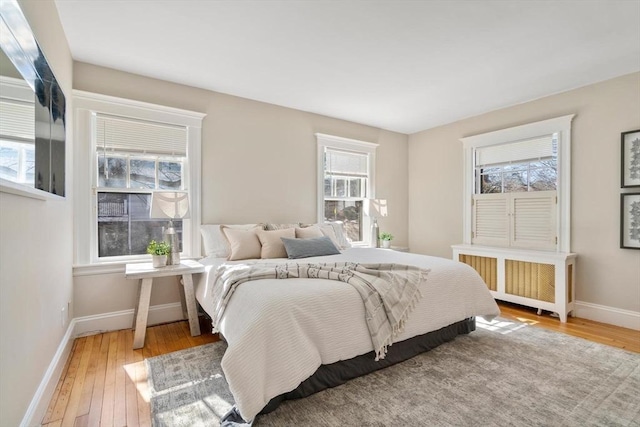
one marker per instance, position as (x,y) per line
(56,393)
(71,409)
(65,390)
(95,411)
(90,379)
(108,398)
(144,409)
(120,387)
(82,421)
(111,354)
(130,381)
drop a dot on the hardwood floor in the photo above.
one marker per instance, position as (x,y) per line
(105,382)
(603,333)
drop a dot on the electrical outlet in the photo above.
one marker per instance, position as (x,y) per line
(63,316)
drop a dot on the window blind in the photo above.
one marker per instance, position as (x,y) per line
(129,135)
(345,163)
(16,120)
(513,152)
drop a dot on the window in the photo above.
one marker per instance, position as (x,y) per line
(345,180)
(17,134)
(132,150)
(132,158)
(517,186)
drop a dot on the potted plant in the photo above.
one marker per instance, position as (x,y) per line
(159,252)
(386,239)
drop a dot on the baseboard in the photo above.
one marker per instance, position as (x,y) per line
(114,321)
(38,406)
(611,315)
(88,325)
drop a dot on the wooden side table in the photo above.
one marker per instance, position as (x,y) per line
(146,273)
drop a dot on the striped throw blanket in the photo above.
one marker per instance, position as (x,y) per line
(389,291)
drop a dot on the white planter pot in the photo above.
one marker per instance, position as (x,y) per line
(386,244)
(159,261)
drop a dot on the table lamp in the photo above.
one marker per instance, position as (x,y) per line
(172,205)
(375,208)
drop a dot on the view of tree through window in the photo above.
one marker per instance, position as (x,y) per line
(347,212)
(124,225)
(537,174)
(527,176)
(345,188)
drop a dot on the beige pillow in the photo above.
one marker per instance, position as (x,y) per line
(243,244)
(215,243)
(272,246)
(308,232)
(329,231)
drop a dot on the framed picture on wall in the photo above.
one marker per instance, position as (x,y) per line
(630,158)
(630,221)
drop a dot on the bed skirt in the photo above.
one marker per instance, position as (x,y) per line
(337,373)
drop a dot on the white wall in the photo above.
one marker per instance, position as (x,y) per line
(606,275)
(258,165)
(35,254)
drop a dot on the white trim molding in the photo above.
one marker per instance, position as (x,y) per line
(40,401)
(86,105)
(338,142)
(560,125)
(84,326)
(117,320)
(610,315)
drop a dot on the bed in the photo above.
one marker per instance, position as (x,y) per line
(288,340)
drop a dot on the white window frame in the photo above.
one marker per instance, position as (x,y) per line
(346,144)
(86,105)
(559,125)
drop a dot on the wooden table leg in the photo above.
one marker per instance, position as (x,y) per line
(190,296)
(141,313)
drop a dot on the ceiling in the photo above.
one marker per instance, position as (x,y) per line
(404,66)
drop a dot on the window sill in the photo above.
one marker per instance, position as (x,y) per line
(11,187)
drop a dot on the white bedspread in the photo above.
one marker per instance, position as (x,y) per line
(278,333)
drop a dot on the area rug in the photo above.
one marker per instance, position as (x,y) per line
(504,373)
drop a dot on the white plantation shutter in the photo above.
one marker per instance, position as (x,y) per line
(517,220)
(530,149)
(490,220)
(131,135)
(534,220)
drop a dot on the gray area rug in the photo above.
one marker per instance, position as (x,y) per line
(504,374)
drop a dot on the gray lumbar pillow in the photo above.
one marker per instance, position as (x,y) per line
(304,248)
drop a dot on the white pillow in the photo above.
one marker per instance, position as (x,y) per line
(243,244)
(338,228)
(215,244)
(272,245)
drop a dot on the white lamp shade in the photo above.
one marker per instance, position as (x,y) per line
(170,204)
(376,208)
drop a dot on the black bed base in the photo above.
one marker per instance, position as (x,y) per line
(340,372)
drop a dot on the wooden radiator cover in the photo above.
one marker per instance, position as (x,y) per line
(486,267)
(541,279)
